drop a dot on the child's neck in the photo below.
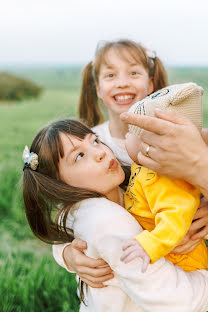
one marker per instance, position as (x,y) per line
(117,128)
(117,196)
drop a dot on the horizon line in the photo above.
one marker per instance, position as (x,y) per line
(17,64)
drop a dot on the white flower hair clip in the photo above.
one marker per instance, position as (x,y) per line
(30,159)
(151,54)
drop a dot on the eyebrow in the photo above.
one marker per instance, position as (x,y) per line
(111,66)
(135,64)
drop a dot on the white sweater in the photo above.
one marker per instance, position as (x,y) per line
(120,152)
(162,288)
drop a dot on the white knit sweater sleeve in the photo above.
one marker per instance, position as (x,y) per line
(163,287)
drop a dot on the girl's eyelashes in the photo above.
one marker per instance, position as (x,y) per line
(109,75)
(79,156)
(96,141)
(135,73)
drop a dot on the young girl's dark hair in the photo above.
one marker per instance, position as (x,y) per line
(88,104)
(44,193)
(47,198)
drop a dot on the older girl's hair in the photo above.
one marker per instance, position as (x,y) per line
(44,192)
(88,104)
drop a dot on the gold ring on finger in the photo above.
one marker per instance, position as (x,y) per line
(147,151)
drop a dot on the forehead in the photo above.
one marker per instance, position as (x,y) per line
(68,140)
(121,54)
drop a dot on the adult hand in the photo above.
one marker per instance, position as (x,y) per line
(91,271)
(177,148)
(197,231)
(199,227)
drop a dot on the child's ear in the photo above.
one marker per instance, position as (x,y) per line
(151,86)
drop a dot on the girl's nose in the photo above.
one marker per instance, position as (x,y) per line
(122,81)
(100,154)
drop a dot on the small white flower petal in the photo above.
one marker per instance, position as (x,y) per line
(26,154)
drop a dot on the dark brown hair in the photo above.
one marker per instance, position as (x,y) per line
(44,193)
(88,104)
(48,199)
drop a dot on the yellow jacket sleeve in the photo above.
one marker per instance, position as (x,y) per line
(173,203)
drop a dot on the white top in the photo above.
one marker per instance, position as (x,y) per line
(117,145)
(162,288)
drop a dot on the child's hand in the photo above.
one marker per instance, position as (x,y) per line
(132,249)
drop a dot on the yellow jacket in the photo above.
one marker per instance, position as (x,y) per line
(165,209)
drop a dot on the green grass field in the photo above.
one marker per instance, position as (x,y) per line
(30,279)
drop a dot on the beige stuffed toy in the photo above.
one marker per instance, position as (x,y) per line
(184,99)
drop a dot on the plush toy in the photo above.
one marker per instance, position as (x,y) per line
(184,99)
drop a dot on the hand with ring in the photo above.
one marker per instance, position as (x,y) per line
(133,146)
(178,150)
(147,151)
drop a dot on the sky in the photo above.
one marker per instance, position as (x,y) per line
(67,31)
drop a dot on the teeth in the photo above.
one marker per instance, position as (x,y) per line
(123,97)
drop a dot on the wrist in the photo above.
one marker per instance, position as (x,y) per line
(199,174)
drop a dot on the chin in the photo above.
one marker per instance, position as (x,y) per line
(122,177)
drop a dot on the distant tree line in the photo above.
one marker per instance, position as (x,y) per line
(13,88)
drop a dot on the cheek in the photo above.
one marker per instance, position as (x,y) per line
(105,91)
(102,90)
(76,176)
(144,87)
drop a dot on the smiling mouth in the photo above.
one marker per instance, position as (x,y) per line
(124,98)
(113,164)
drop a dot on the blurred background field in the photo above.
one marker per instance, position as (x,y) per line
(30,278)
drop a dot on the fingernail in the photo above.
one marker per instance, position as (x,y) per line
(138,156)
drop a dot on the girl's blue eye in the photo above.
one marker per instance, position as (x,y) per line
(134,73)
(79,156)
